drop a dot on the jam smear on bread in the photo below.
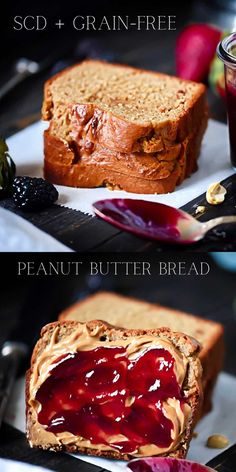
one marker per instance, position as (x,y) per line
(102,393)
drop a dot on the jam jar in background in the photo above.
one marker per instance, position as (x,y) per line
(227,53)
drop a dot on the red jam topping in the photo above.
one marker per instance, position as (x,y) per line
(231,106)
(161,464)
(101,393)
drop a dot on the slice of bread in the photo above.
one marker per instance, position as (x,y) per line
(140,165)
(112,125)
(86,174)
(89,390)
(136,172)
(128,312)
(122,108)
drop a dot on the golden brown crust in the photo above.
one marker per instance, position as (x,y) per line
(87,175)
(141,165)
(88,146)
(138,172)
(186,345)
(118,134)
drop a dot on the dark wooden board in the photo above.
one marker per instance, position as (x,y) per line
(84,233)
(76,230)
(221,239)
(226,461)
(13,445)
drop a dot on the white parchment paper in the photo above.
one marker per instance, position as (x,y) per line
(26,148)
(17,234)
(7,465)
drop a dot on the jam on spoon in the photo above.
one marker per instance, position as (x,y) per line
(166,464)
(155,221)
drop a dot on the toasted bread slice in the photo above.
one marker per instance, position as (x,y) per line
(112,392)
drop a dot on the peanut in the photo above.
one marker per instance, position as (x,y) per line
(217,441)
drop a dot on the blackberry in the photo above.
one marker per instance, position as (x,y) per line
(31,193)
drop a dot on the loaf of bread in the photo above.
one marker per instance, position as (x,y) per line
(128,313)
(121,127)
(112,392)
(121,107)
(86,175)
(137,172)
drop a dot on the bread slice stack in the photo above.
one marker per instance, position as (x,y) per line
(111,392)
(129,313)
(122,127)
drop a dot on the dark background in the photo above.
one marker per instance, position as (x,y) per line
(148,49)
(29,302)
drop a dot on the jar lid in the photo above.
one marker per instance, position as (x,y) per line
(225,50)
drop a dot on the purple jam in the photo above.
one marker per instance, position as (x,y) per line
(143,218)
(226,51)
(87,394)
(162,464)
(231,107)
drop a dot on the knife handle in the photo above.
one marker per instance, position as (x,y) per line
(12,353)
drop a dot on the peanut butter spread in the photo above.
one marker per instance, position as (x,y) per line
(81,339)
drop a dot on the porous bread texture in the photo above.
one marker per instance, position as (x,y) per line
(129,312)
(187,346)
(123,108)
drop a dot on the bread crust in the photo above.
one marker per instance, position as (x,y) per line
(86,175)
(139,173)
(186,345)
(118,134)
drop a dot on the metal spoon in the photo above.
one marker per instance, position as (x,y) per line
(23,68)
(155,220)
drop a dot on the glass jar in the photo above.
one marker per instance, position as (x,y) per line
(227,53)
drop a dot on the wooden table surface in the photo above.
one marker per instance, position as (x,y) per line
(154,50)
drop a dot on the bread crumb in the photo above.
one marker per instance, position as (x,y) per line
(200,209)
